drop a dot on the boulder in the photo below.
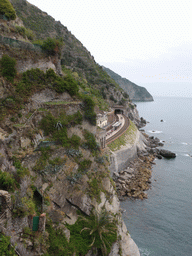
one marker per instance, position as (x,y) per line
(167,153)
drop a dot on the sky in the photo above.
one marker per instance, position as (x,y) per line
(148,42)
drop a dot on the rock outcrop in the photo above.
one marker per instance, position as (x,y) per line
(51,174)
(167,153)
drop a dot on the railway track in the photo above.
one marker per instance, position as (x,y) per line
(120,132)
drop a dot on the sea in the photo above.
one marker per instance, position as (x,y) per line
(162,224)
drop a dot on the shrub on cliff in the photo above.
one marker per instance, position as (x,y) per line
(52,46)
(68,84)
(7,181)
(88,106)
(5,246)
(90,141)
(24,32)
(57,128)
(7,9)
(32,80)
(8,69)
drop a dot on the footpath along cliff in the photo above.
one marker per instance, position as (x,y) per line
(55,182)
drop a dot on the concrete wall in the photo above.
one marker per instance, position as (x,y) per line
(120,159)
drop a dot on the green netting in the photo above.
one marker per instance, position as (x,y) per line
(20,44)
(51,169)
(45,144)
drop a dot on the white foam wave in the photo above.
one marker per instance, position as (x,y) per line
(144,252)
(153,131)
(188,155)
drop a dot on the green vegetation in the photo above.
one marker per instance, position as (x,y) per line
(102,229)
(75,141)
(128,137)
(5,246)
(97,232)
(57,128)
(23,206)
(21,171)
(89,110)
(68,84)
(84,165)
(56,161)
(95,188)
(8,69)
(42,161)
(35,79)
(7,181)
(52,45)
(91,143)
(29,82)
(24,32)
(7,9)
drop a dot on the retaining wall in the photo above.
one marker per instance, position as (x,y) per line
(119,160)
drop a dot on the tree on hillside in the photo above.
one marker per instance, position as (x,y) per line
(7,9)
(102,228)
(7,67)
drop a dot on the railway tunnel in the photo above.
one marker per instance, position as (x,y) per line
(118,109)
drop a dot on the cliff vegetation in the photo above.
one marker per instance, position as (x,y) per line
(51,162)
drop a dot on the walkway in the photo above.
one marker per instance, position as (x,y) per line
(118,132)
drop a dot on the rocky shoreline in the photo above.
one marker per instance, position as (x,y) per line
(135,179)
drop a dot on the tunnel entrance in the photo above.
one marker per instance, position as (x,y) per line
(119,111)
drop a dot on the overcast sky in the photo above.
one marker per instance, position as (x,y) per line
(147,42)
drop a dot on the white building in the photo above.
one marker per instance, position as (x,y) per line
(102,120)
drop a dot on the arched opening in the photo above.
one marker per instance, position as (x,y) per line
(119,111)
(38,200)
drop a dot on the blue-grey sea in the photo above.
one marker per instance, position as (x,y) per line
(162,224)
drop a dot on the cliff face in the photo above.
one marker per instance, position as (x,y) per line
(49,158)
(135,92)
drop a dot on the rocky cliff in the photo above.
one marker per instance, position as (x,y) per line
(51,165)
(135,92)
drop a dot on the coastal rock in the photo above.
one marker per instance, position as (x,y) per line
(167,153)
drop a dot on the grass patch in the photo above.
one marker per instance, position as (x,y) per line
(128,137)
(19,125)
(57,103)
